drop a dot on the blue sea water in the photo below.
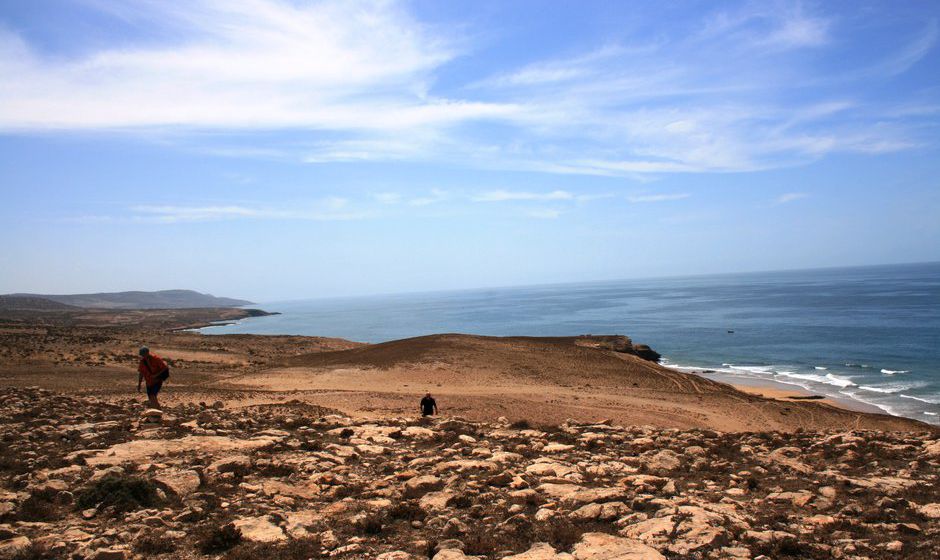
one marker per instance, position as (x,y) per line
(871,334)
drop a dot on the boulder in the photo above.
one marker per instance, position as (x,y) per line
(181,482)
(299,521)
(558,490)
(601,512)
(259,529)
(451,554)
(540,551)
(436,501)
(601,546)
(681,531)
(239,464)
(932,449)
(13,546)
(114,553)
(593,495)
(417,432)
(663,461)
(421,485)
(931,511)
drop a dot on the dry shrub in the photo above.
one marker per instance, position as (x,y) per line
(119,494)
(213,540)
(156,544)
(301,549)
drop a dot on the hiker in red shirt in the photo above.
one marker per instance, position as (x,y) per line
(154,371)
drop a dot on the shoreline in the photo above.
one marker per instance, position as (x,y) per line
(786,392)
(769,388)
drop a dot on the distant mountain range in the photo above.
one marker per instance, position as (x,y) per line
(164,299)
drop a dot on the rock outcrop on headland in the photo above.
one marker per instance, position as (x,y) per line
(87,479)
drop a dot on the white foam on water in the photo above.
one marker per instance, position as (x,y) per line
(892,387)
(754,369)
(839,381)
(828,379)
(833,385)
(881,406)
(894,371)
(884,390)
(921,399)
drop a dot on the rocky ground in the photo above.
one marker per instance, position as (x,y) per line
(82,477)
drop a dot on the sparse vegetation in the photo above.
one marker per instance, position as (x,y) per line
(35,551)
(154,544)
(39,506)
(117,494)
(216,539)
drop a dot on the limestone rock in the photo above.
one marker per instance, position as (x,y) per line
(931,511)
(421,485)
(259,529)
(663,461)
(181,482)
(395,555)
(540,551)
(601,546)
(11,547)
(109,554)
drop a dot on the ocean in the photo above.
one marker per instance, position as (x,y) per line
(870,334)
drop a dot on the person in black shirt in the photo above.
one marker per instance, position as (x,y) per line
(428,405)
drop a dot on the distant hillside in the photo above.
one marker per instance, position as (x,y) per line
(29,303)
(165,299)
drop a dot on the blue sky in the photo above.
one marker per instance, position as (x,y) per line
(275,149)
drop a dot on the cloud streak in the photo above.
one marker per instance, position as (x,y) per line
(327,209)
(358,81)
(790,197)
(243,64)
(644,198)
(506,196)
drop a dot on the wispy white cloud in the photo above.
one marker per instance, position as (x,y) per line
(244,64)
(641,198)
(387,197)
(504,196)
(433,197)
(357,81)
(327,209)
(790,197)
(902,61)
(544,213)
(776,25)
